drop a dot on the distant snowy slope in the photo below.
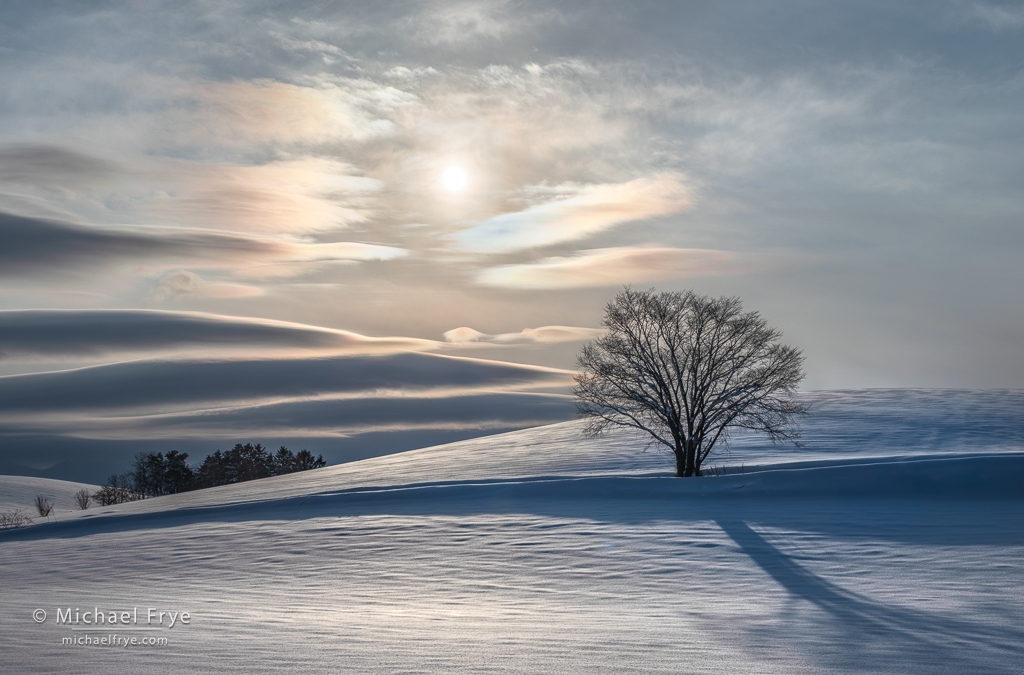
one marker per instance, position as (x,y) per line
(914,421)
(19,492)
(842,427)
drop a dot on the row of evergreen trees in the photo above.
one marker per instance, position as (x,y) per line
(154,473)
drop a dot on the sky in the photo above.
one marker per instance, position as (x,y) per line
(366,227)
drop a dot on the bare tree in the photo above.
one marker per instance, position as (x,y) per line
(687,368)
(117,490)
(82,499)
(44,506)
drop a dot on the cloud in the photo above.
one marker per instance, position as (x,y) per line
(457,22)
(480,412)
(50,166)
(248,114)
(997,18)
(542,335)
(343,250)
(183,284)
(158,386)
(218,376)
(611,267)
(886,152)
(464,334)
(235,397)
(591,210)
(286,196)
(55,334)
(38,246)
(308,45)
(35,245)
(404,73)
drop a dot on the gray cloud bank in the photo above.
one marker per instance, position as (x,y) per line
(35,247)
(41,334)
(162,386)
(49,165)
(476,413)
(39,246)
(52,336)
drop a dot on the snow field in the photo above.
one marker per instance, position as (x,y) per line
(541,552)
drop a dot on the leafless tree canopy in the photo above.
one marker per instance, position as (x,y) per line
(118,490)
(685,369)
(82,498)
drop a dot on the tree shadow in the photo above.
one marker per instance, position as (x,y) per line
(614,499)
(870,636)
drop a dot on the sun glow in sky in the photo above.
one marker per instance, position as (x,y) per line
(454,178)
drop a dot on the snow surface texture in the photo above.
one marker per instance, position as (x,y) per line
(893,542)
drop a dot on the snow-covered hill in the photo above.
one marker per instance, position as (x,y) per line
(19,492)
(891,542)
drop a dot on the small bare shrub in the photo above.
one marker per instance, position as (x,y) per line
(12,519)
(44,506)
(82,498)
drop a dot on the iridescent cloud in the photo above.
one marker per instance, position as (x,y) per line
(592,209)
(611,267)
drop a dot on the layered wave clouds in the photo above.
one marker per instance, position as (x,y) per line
(304,396)
(202,380)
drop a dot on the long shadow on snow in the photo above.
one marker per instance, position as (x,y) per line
(870,635)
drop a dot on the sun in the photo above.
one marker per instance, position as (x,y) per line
(454,179)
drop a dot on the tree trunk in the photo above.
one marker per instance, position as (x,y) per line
(680,452)
(691,458)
